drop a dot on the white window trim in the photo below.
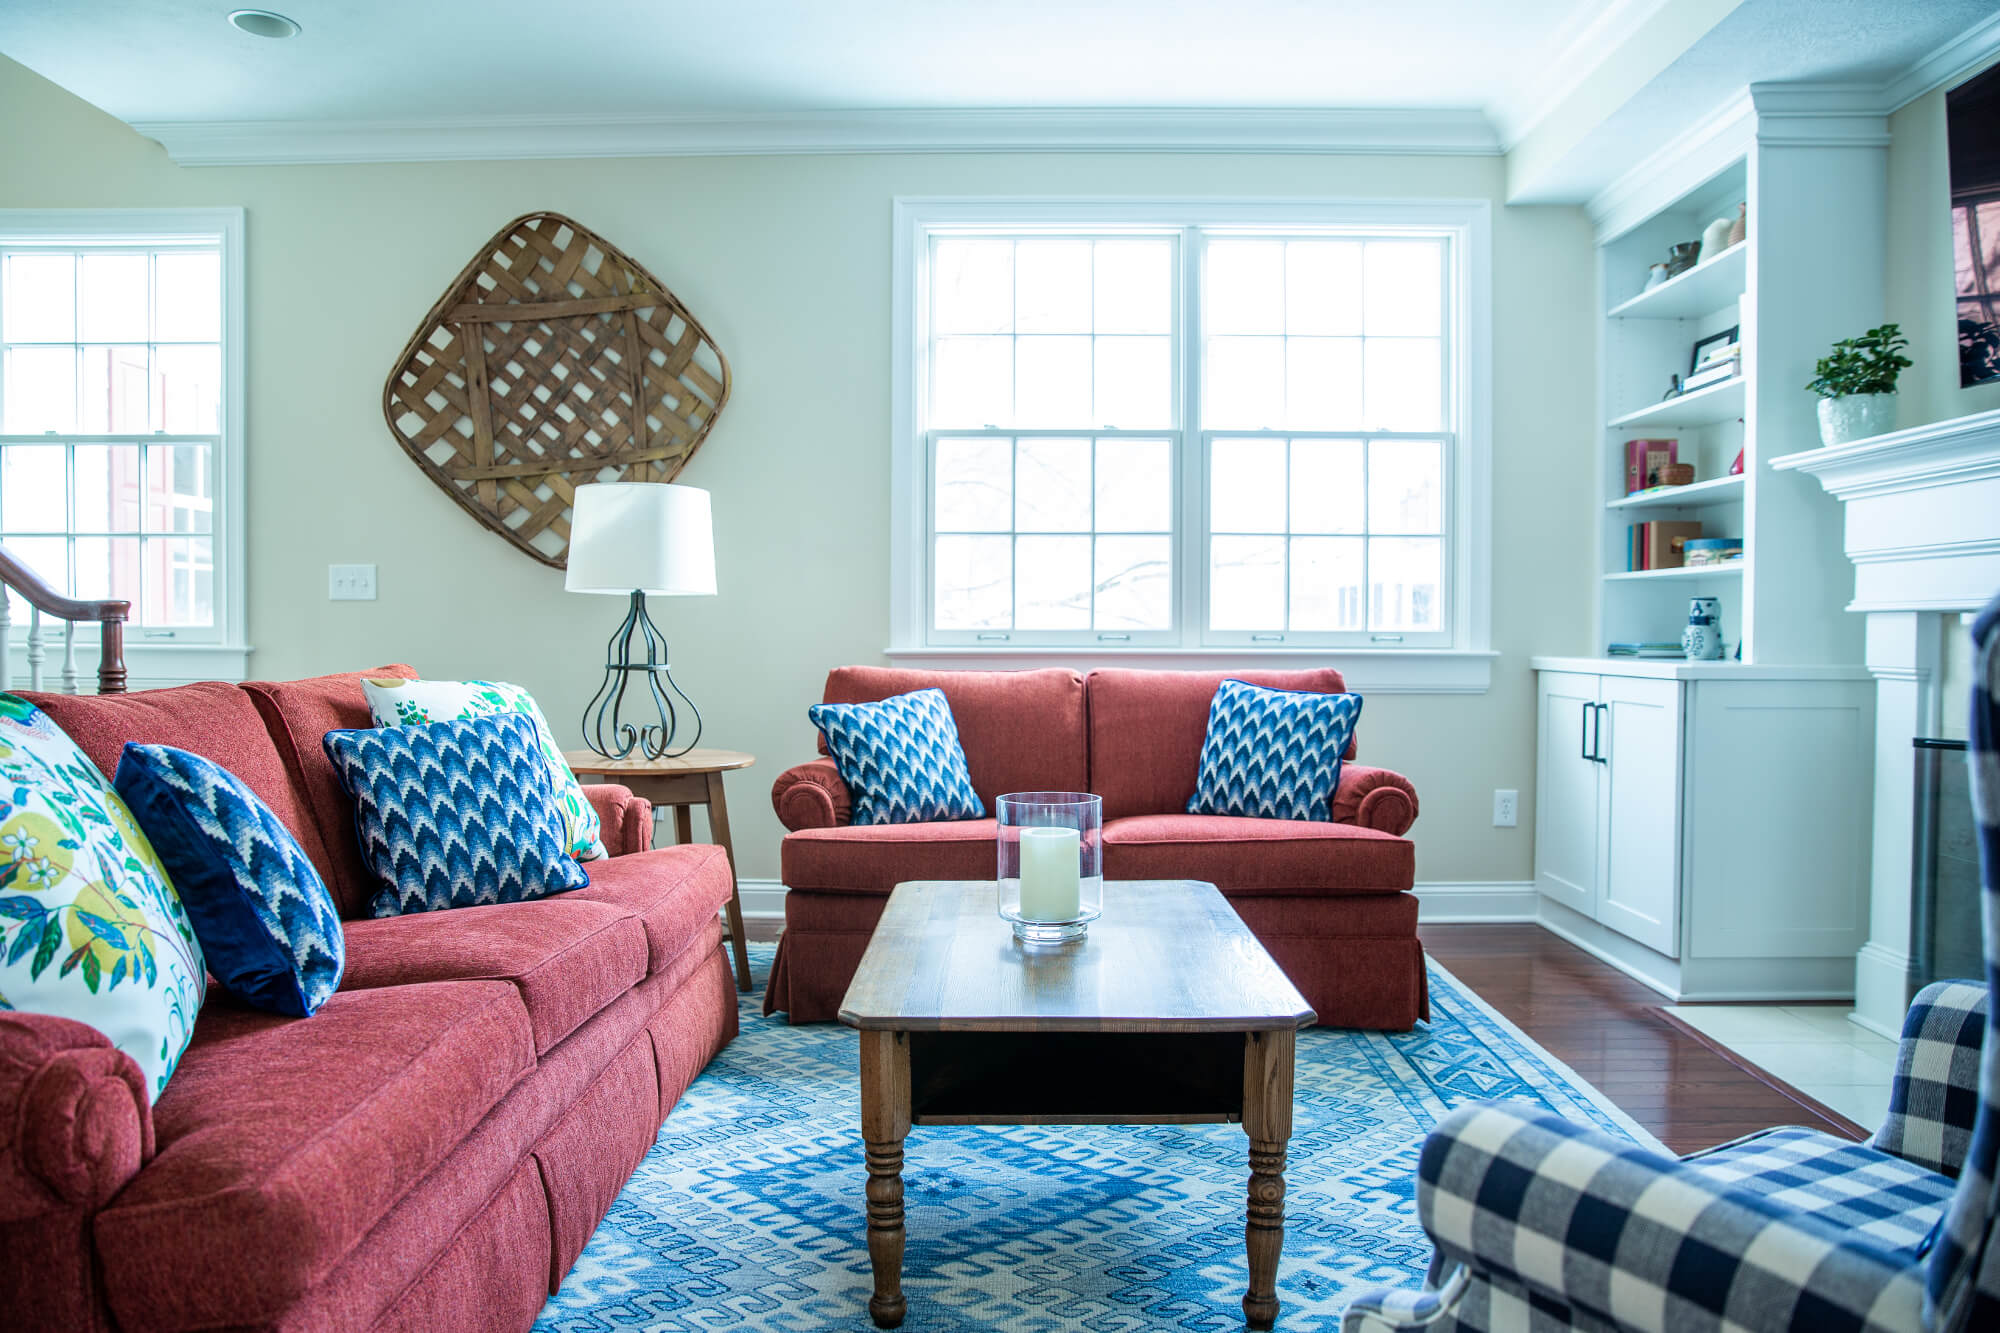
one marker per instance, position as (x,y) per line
(1465,667)
(155,662)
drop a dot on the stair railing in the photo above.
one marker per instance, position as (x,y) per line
(110,617)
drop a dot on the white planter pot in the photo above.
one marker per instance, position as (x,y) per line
(1856,417)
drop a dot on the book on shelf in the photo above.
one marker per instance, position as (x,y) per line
(1643,461)
(1651,649)
(1712,372)
(1658,545)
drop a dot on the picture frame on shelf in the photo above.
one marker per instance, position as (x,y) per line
(1715,349)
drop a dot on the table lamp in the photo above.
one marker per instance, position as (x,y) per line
(629,539)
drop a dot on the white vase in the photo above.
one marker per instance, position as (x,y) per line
(1856,416)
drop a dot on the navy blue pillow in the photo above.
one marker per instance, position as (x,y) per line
(900,758)
(1273,754)
(455,814)
(267,925)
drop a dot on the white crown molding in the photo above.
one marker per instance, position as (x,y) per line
(1965,54)
(1674,168)
(1584,43)
(1089,130)
(1820,115)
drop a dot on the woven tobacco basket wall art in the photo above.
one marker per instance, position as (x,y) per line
(551,361)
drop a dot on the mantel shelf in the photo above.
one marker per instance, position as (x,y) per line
(1701,290)
(1730,570)
(1703,407)
(1714,491)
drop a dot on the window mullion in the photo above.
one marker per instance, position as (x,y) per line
(1191,462)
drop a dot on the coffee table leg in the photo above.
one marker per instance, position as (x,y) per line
(885,1119)
(1267,1119)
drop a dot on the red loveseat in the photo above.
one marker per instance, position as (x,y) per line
(1330,901)
(431,1149)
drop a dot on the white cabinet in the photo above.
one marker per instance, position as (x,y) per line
(1703,826)
(1610,780)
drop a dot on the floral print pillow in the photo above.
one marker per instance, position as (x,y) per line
(418,703)
(91,928)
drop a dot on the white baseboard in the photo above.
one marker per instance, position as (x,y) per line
(1465,902)
(1446,901)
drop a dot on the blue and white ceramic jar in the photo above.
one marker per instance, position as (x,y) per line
(1702,639)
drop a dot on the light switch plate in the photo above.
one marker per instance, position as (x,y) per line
(1506,808)
(350,583)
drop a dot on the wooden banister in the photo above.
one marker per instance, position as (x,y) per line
(109,616)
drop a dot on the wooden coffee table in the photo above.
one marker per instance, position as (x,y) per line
(1168,1012)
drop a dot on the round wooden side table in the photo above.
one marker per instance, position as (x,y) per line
(681,783)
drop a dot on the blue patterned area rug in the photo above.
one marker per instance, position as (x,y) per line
(748,1212)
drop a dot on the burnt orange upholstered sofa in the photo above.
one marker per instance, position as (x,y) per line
(1331,901)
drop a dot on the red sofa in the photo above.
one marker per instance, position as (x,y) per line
(1330,901)
(431,1149)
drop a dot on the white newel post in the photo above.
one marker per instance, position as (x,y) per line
(1923,531)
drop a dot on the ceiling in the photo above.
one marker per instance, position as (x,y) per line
(369,71)
(166,60)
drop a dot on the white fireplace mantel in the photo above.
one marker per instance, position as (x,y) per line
(1923,512)
(1923,530)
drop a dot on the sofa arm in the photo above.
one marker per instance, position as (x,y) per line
(1533,1204)
(811,796)
(1934,1097)
(627,819)
(82,1124)
(1375,798)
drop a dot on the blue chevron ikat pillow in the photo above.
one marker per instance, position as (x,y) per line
(267,925)
(455,814)
(900,759)
(1273,754)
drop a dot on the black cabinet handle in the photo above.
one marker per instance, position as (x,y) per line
(1597,734)
(1583,730)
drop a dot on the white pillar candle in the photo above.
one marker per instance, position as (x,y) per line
(1049,887)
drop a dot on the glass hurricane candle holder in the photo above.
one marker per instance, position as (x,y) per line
(1051,863)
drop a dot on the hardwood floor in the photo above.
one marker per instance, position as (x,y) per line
(1609,1029)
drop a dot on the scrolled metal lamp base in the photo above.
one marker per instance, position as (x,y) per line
(605,728)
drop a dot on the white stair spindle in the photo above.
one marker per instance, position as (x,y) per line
(69,657)
(37,653)
(6,629)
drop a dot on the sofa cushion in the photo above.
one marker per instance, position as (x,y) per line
(282,1142)
(267,925)
(1273,754)
(298,714)
(877,858)
(1147,729)
(674,891)
(1021,730)
(455,814)
(1257,855)
(900,758)
(568,959)
(216,721)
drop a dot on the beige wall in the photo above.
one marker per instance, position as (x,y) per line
(786,260)
(1919,278)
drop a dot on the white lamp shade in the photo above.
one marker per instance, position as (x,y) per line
(644,536)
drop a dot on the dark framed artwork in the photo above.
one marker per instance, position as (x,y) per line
(1703,346)
(1972,124)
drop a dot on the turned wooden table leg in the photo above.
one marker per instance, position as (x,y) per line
(1267,1119)
(885,1119)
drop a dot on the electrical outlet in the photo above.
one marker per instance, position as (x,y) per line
(1506,808)
(350,583)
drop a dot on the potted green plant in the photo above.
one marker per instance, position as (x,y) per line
(1856,385)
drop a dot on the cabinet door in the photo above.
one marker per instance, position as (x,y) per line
(1566,819)
(1640,870)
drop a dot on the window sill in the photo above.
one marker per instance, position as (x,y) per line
(1366,670)
(148,666)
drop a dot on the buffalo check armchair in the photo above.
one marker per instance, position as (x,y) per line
(1541,1225)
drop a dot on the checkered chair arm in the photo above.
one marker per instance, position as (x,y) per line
(1934,1099)
(1563,1226)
